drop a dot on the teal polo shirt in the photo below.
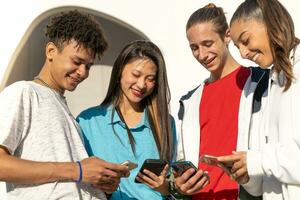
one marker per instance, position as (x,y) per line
(101,141)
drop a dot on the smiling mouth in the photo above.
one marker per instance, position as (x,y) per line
(137,93)
(75,79)
(209,61)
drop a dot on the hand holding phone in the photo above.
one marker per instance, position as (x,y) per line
(181,166)
(213,160)
(156,166)
(196,180)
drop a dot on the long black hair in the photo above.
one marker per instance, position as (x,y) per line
(157,103)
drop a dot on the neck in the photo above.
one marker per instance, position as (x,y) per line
(129,108)
(229,66)
(44,78)
(131,114)
(45,83)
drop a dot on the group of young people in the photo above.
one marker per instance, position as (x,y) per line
(244,116)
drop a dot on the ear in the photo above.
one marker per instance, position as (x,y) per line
(227,38)
(51,51)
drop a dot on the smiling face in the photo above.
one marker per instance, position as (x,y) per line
(207,46)
(251,38)
(138,80)
(68,66)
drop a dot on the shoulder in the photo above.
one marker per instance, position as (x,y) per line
(18,90)
(92,112)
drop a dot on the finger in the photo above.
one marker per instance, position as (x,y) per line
(150,175)
(229,158)
(189,184)
(240,173)
(165,171)
(186,175)
(238,165)
(111,173)
(198,186)
(138,178)
(121,169)
(148,180)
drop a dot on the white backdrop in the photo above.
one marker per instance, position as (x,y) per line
(161,21)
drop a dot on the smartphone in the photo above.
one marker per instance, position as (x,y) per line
(156,166)
(181,166)
(129,164)
(212,160)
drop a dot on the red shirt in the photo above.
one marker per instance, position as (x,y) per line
(219,109)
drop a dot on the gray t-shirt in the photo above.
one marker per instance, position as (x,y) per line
(36,124)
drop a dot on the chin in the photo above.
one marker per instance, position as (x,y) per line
(71,89)
(263,65)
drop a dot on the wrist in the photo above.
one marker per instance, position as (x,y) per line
(174,192)
(165,189)
(79,179)
(67,171)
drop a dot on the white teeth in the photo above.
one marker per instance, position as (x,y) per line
(255,57)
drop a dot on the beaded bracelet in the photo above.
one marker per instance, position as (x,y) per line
(80,173)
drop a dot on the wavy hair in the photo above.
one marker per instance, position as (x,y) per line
(280,30)
(81,27)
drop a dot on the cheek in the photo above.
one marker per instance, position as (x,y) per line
(150,87)
(87,74)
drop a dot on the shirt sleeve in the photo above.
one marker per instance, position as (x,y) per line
(15,111)
(254,185)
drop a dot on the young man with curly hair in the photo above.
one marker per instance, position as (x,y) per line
(41,151)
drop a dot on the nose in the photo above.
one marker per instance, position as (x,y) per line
(141,83)
(244,52)
(82,71)
(202,54)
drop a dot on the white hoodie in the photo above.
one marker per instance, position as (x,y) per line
(274,167)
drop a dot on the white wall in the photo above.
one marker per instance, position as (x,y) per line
(162,21)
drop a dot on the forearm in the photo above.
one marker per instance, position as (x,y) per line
(16,170)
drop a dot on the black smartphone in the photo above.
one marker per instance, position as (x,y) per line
(156,166)
(181,166)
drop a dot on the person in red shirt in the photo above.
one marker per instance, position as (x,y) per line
(209,114)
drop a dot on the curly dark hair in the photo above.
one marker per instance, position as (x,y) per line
(74,25)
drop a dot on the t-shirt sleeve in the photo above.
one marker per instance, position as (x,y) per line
(14,116)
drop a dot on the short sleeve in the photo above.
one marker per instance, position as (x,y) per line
(14,115)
